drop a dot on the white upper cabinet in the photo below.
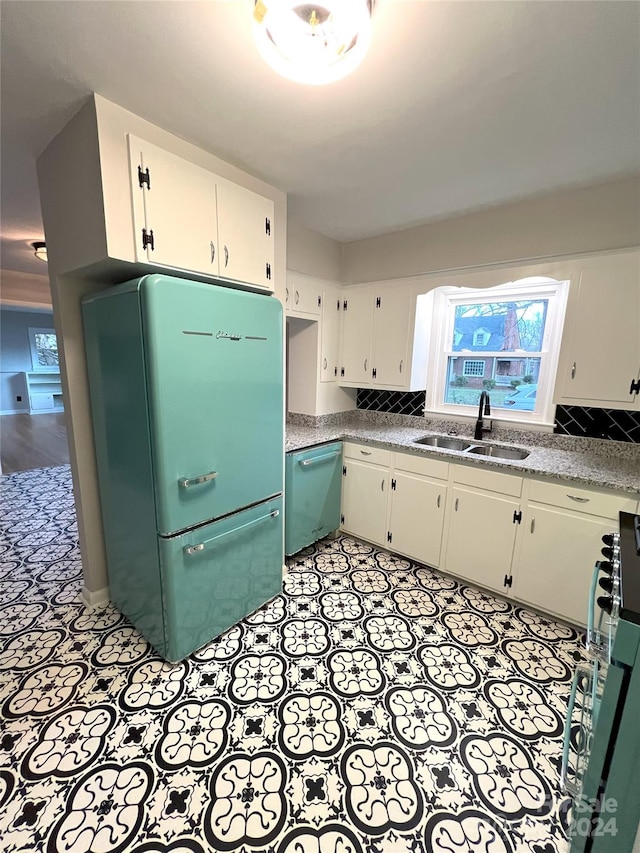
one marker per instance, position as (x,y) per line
(303,296)
(600,357)
(384,339)
(330,335)
(245,234)
(188,218)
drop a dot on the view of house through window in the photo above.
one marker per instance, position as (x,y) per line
(504,341)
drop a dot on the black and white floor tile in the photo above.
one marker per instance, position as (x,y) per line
(374,706)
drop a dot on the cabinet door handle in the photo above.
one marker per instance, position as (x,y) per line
(213,252)
(578,500)
(533,524)
(287,294)
(573,370)
(438,501)
(366,452)
(365,364)
(324,364)
(456,504)
(382,486)
(226,256)
(297,298)
(401,365)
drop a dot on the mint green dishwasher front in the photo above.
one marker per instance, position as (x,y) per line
(313,479)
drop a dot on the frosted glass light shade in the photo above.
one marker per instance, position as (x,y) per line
(313,43)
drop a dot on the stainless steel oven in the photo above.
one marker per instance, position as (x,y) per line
(601,755)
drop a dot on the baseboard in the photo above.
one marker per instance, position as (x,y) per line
(14,412)
(98,598)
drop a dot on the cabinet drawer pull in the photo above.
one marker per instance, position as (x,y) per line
(578,499)
(366,452)
(456,504)
(573,370)
(297,297)
(438,501)
(185,482)
(213,252)
(226,256)
(533,524)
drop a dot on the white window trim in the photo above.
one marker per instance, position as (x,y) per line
(35,367)
(555,290)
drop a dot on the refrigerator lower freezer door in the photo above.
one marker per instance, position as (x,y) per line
(214,576)
(312,489)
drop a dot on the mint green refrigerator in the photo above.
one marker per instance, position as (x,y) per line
(186,384)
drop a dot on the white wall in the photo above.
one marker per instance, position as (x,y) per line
(312,253)
(15,355)
(592,219)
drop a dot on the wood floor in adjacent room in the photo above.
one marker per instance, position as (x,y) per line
(32,441)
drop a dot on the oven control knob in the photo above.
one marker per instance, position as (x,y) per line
(606,603)
(610,553)
(611,539)
(605,566)
(606,584)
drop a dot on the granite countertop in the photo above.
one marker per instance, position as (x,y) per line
(592,462)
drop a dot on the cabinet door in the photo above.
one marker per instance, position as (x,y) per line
(481,537)
(417,517)
(364,501)
(357,331)
(559,549)
(330,336)
(303,296)
(179,207)
(391,338)
(245,234)
(604,335)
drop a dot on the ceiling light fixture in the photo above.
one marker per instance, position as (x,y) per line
(40,251)
(313,43)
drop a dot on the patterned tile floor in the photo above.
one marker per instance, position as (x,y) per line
(374,706)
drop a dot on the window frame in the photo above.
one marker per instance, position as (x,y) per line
(445,298)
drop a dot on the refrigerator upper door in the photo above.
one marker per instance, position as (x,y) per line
(215,388)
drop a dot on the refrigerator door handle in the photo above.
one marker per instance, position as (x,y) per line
(194,549)
(184,482)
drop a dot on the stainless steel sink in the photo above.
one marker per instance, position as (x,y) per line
(444,441)
(498,452)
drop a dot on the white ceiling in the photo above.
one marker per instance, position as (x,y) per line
(459,105)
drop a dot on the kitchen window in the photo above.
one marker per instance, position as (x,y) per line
(504,340)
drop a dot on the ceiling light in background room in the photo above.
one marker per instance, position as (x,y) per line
(40,251)
(313,43)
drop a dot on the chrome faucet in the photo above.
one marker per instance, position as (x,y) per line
(480,427)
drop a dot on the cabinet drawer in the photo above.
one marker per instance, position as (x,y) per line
(568,496)
(492,481)
(367,453)
(414,464)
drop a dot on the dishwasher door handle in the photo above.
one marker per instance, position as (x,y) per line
(306,462)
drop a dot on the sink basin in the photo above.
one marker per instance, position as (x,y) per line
(499,452)
(444,441)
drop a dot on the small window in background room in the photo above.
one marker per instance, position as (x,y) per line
(517,327)
(44,349)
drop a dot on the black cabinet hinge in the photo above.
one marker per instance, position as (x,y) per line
(508,580)
(344,305)
(378,302)
(344,470)
(268,271)
(342,519)
(393,485)
(517,516)
(319,301)
(389,536)
(337,304)
(635,386)
(267,227)
(147,239)
(335,371)
(342,371)
(373,373)
(144,177)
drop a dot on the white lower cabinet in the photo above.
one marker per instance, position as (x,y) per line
(560,541)
(417,502)
(365,485)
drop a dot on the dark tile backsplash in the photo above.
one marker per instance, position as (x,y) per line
(598,423)
(395,402)
(570,420)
